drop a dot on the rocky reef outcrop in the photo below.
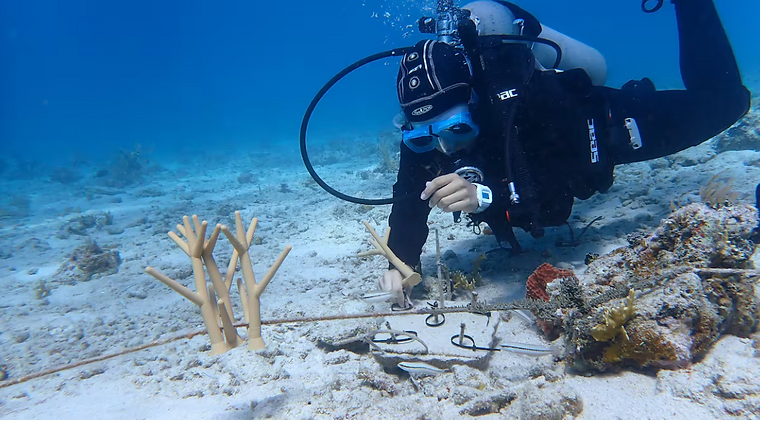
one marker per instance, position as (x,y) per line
(666,298)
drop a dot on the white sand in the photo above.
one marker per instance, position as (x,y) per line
(294,378)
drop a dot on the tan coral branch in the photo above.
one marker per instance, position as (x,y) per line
(411,278)
(242,243)
(171,283)
(193,246)
(222,291)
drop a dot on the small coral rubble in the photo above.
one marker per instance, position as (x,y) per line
(86,262)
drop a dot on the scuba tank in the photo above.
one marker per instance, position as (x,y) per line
(504,18)
(575,55)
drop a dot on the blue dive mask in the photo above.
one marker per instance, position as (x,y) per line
(450,134)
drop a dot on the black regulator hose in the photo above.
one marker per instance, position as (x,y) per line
(307,116)
(396,52)
(548,42)
(656,7)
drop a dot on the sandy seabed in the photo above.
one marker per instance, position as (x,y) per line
(49,320)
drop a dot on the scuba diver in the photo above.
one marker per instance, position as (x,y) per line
(492,130)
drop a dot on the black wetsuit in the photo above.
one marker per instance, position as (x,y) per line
(554,122)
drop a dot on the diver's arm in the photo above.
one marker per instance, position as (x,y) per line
(714,99)
(408,219)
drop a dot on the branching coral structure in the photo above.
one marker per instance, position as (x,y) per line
(467,281)
(214,299)
(411,278)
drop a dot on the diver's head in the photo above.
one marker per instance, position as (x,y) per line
(434,90)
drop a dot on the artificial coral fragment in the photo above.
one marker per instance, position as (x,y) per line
(411,278)
(614,319)
(214,299)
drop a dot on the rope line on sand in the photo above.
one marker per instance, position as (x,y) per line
(705,271)
(191,335)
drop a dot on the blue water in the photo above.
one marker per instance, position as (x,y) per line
(97,97)
(81,79)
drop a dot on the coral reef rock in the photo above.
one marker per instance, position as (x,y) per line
(695,236)
(727,380)
(88,261)
(692,281)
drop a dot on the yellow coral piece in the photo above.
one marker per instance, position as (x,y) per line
(614,319)
(465,281)
(462,281)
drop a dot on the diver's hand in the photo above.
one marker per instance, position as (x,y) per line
(451,193)
(391,281)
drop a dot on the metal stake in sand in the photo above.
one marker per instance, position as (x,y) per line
(444,290)
(254,290)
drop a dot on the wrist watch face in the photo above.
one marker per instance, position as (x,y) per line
(471,174)
(485,195)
